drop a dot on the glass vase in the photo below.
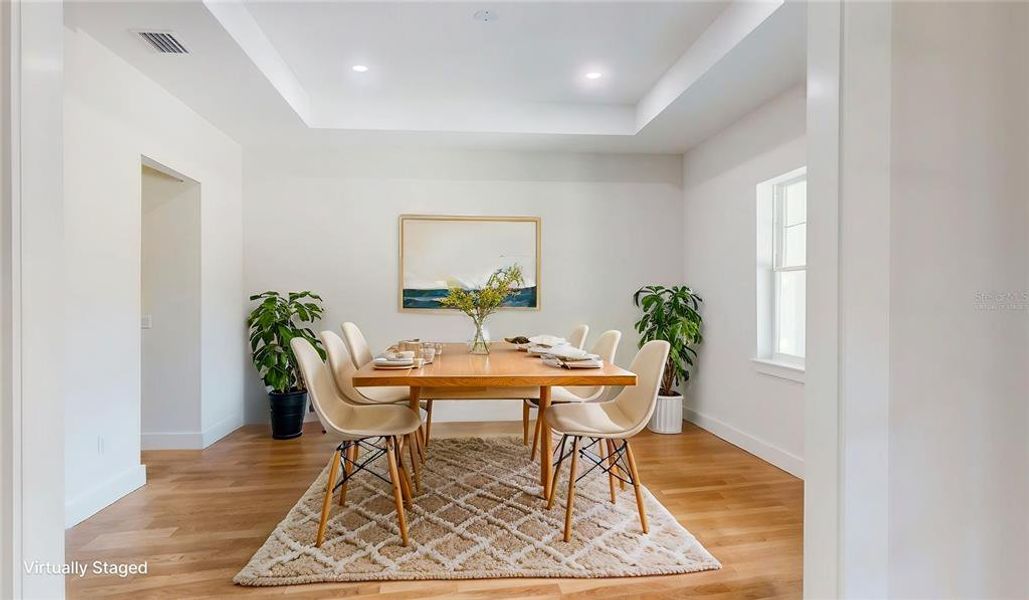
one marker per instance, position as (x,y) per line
(480,341)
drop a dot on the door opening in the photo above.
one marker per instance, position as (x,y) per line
(170,309)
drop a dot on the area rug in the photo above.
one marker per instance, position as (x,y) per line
(479,515)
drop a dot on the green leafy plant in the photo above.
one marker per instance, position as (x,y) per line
(273,324)
(671,314)
(482,302)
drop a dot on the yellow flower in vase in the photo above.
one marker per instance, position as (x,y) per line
(483,302)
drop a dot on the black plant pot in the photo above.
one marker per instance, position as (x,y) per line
(288,410)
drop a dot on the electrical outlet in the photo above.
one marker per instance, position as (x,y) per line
(147,322)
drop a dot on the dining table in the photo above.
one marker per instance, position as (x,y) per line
(506,373)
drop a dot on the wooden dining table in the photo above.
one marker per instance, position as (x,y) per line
(505,373)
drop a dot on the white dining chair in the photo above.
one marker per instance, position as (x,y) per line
(578,336)
(605,347)
(379,429)
(343,370)
(361,354)
(608,426)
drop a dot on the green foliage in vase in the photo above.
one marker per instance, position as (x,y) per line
(273,324)
(671,314)
(481,303)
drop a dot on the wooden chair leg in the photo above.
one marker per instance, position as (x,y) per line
(606,456)
(557,470)
(394,476)
(405,481)
(333,467)
(636,486)
(348,468)
(411,443)
(525,422)
(428,422)
(570,501)
(536,436)
(614,459)
(419,438)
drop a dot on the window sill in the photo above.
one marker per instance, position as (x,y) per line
(779,369)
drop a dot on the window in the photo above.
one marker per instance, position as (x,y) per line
(782,274)
(789,264)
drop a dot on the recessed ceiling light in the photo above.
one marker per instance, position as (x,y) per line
(359,68)
(594,75)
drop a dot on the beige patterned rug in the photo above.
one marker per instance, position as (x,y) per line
(478,516)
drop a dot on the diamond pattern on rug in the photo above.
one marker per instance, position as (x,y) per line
(479,515)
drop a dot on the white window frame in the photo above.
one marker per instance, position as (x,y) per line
(778,231)
(769,218)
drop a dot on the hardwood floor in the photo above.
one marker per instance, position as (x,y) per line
(204,513)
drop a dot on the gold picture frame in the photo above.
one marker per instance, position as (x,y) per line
(425,304)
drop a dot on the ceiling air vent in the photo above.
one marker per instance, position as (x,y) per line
(163,42)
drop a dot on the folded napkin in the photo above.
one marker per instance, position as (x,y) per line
(588,363)
(567,352)
(392,362)
(547,340)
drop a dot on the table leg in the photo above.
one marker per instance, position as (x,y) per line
(414,399)
(546,441)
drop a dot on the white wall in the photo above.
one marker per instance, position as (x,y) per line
(327,221)
(113,116)
(170,360)
(728,396)
(959,387)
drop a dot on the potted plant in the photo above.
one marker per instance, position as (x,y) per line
(480,303)
(273,324)
(670,314)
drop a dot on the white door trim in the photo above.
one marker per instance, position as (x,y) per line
(821,390)
(846,419)
(31,280)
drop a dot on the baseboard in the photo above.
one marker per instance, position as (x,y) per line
(221,429)
(791,463)
(104,494)
(190,440)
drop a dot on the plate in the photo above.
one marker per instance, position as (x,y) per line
(578,364)
(394,367)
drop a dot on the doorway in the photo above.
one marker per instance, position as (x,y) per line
(170,308)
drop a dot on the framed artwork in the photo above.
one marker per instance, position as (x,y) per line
(442,251)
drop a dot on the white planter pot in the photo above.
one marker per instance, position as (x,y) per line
(667,416)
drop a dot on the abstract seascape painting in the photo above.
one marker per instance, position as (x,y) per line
(438,252)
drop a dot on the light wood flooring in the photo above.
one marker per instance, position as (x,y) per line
(204,513)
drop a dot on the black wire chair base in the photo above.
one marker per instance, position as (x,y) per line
(605,464)
(373,452)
